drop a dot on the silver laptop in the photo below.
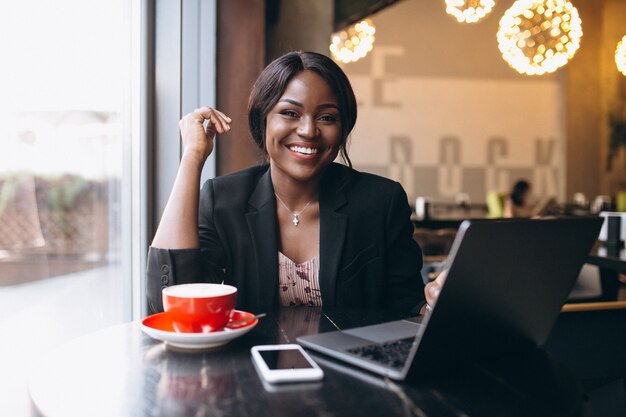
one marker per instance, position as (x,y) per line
(507,282)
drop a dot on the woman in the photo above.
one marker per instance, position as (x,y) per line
(517,204)
(301,229)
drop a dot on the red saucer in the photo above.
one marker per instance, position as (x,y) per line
(163,322)
(161,327)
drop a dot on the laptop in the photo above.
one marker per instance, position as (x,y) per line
(507,281)
(545,207)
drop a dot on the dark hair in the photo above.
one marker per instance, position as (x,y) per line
(519,189)
(271,84)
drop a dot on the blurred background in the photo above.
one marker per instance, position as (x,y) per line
(92,92)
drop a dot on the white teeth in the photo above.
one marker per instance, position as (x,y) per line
(303,150)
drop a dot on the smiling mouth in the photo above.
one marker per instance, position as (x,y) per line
(303,150)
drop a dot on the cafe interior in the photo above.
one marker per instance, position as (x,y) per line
(458,100)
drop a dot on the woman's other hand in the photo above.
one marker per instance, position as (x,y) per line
(433,288)
(197,139)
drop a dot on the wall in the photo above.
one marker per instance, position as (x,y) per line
(613,85)
(298,25)
(584,107)
(440,110)
(442,113)
(240,59)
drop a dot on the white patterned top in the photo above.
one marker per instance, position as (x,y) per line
(299,284)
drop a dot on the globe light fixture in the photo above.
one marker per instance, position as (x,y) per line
(469,11)
(354,43)
(620,56)
(539,36)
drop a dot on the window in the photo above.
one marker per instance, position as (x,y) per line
(65,177)
(92,91)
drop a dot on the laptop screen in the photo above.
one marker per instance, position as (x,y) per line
(506,283)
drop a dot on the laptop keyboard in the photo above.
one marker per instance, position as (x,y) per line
(393,354)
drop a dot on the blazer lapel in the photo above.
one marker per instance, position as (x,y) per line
(333,226)
(261,220)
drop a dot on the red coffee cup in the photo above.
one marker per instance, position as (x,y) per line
(199,308)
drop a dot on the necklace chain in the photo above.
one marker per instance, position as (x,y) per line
(295,220)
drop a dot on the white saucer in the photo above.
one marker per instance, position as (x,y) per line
(159,327)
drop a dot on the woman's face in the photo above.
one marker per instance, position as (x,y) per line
(303,130)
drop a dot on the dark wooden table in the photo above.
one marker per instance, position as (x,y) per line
(120,371)
(591,343)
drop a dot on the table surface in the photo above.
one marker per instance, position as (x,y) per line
(120,371)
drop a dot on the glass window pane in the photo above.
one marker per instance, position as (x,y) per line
(64,122)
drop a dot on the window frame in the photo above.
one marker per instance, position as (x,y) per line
(177,73)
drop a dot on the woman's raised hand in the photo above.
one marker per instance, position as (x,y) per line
(178,228)
(197,138)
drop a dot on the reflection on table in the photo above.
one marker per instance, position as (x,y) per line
(121,372)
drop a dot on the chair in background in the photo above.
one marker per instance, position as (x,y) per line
(620,201)
(435,245)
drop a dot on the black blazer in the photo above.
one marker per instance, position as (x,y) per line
(368,258)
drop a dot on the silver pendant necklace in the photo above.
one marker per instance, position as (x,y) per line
(295,220)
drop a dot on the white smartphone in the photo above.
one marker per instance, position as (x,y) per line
(285,363)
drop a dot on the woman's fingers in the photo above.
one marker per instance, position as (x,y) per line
(223,115)
(197,136)
(433,289)
(217,121)
(441,278)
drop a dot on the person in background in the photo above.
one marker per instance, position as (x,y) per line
(517,203)
(299,229)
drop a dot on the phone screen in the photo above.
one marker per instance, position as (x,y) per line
(285,359)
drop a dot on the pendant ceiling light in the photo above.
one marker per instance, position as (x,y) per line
(620,56)
(469,11)
(354,43)
(539,36)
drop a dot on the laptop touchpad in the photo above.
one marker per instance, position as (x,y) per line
(380,333)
